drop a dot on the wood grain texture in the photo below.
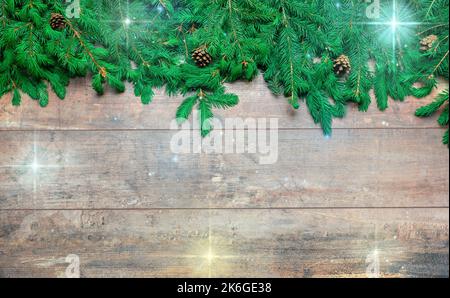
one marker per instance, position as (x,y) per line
(107,188)
(257,243)
(136,169)
(84,110)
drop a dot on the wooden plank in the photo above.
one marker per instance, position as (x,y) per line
(226,243)
(84,110)
(136,169)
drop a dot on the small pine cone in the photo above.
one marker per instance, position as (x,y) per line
(57,21)
(342,65)
(201,57)
(427,43)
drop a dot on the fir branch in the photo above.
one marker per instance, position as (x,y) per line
(102,70)
(430,109)
(438,65)
(279,37)
(185,109)
(429,9)
(291,63)
(445,138)
(431,28)
(233,29)
(181,30)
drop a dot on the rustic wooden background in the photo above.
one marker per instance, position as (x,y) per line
(109,191)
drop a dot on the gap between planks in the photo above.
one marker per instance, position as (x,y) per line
(174,130)
(229,209)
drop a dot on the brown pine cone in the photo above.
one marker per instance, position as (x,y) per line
(426,43)
(57,21)
(342,65)
(201,57)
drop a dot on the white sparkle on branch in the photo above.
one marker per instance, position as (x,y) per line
(396,27)
(394,24)
(127,22)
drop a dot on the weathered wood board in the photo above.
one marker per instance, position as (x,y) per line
(226,243)
(136,169)
(84,110)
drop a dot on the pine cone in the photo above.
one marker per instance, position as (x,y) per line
(201,57)
(342,65)
(427,42)
(57,21)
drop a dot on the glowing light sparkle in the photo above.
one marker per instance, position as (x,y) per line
(35,166)
(395,27)
(394,23)
(160,8)
(127,22)
(210,256)
(395,20)
(32,169)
